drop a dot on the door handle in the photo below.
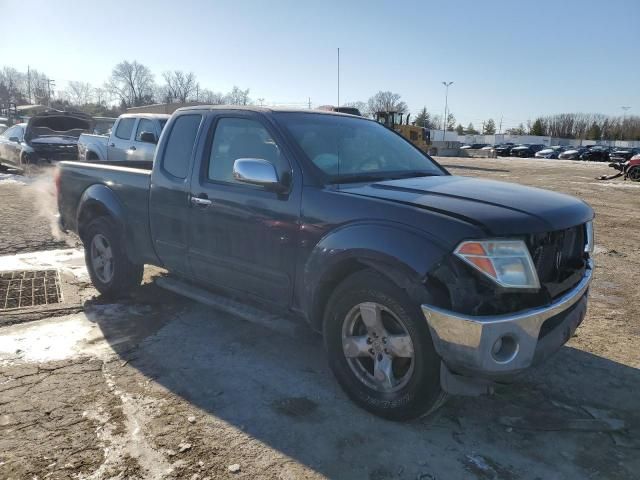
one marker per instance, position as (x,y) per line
(112,144)
(200,201)
(132,147)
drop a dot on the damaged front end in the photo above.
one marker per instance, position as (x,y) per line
(53,135)
(484,330)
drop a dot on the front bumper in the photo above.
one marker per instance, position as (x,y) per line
(467,344)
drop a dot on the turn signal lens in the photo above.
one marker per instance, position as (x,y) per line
(506,262)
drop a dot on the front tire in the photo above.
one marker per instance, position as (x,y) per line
(634,174)
(111,271)
(380,349)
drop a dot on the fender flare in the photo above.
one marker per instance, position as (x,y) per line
(99,200)
(401,253)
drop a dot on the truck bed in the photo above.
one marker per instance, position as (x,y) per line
(129,185)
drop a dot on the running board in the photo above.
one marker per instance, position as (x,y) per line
(227,305)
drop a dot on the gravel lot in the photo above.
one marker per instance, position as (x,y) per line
(160,387)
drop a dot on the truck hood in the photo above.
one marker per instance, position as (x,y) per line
(499,208)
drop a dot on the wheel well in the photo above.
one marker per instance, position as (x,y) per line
(89,213)
(328,284)
(92,155)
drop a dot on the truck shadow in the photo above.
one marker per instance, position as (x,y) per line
(275,386)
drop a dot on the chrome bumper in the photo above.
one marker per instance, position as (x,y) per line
(495,346)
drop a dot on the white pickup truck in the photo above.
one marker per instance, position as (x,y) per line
(133,138)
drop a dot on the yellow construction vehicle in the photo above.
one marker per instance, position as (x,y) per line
(419,136)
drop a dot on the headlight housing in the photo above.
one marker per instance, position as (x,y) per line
(590,243)
(506,262)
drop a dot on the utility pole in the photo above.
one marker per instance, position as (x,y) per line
(446,97)
(500,130)
(624,112)
(29,83)
(50,83)
(338,77)
(309,103)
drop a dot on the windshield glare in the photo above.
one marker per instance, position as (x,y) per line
(343,147)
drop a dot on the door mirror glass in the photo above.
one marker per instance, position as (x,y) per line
(14,139)
(257,171)
(148,137)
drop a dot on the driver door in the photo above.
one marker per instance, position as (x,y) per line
(243,237)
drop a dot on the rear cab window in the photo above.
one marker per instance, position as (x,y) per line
(125,128)
(145,125)
(180,144)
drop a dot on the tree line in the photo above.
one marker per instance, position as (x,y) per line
(133,84)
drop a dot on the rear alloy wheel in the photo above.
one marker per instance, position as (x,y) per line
(634,174)
(111,271)
(380,349)
(102,258)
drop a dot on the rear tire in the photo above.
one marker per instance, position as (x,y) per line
(400,383)
(634,174)
(111,271)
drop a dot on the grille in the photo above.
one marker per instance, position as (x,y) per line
(559,258)
(29,288)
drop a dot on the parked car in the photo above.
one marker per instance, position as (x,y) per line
(596,153)
(474,146)
(46,138)
(526,150)
(572,153)
(550,152)
(623,154)
(132,138)
(421,282)
(504,149)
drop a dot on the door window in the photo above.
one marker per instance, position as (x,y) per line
(144,125)
(15,131)
(125,127)
(179,146)
(241,138)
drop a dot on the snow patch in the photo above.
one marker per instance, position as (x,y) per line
(69,260)
(12,179)
(44,341)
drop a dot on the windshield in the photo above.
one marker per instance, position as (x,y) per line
(346,148)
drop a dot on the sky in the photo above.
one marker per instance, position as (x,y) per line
(513,60)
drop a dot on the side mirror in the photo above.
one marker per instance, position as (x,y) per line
(148,137)
(256,171)
(14,139)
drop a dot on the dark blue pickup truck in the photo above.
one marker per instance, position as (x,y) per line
(421,282)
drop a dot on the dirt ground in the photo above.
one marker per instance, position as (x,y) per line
(156,386)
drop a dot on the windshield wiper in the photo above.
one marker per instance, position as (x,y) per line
(414,174)
(359,177)
(381,176)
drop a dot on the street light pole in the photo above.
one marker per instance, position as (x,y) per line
(446,98)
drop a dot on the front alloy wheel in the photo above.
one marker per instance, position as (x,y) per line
(380,349)
(377,347)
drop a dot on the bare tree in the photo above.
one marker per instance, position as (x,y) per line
(79,93)
(132,83)
(237,96)
(211,97)
(361,106)
(386,102)
(179,85)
